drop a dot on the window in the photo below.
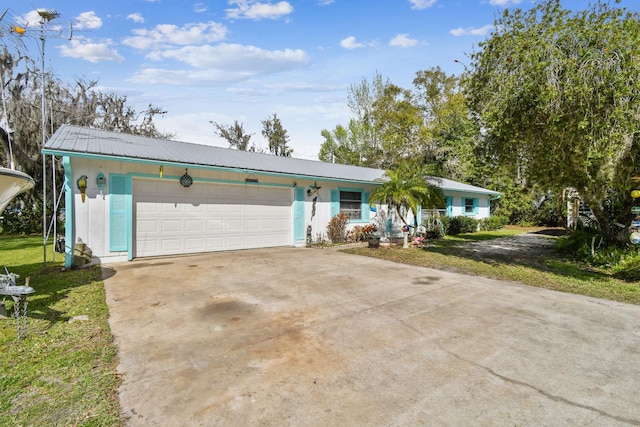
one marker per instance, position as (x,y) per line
(351,204)
(470,206)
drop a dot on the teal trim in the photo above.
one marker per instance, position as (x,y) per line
(449,205)
(418,218)
(196,166)
(119,217)
(366,210)
(335,203)
(69,213)
(298,215)
(129,203)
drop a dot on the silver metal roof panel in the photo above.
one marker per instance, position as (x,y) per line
(75,140)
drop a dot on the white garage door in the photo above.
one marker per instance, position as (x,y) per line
(170,219)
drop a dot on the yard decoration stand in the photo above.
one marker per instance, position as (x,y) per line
(635,210)
(19,294)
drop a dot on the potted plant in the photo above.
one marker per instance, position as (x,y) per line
(372,237)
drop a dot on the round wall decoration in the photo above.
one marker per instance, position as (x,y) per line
(186,180)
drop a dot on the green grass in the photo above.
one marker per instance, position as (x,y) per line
(554,272)
(64,372)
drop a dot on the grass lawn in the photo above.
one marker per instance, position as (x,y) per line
(64,372)
(552,271)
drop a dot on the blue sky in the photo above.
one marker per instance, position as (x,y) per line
(244,60)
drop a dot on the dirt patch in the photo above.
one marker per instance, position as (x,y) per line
(532,246)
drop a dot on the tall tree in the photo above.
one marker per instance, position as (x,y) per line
(398,123)
(360,142)
(276,136)
(450,134)
(235,135)
(558,95)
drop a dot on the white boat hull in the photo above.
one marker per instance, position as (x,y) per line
(12,183)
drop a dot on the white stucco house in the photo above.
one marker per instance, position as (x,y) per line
(145,197)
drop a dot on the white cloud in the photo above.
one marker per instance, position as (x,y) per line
(82,48)
(325,2)
(422,4)
(136,17)
(472,31)
(87,21)
(503,2)
(351,43)
(403,40)
(221,63)
(199,7)
(256,10)
(169,34)
(274,89)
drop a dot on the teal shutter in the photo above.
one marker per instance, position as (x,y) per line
(335,203)
(118,218)
(449,201)
(366,211)
(476,205)
(418,218)
(298,214)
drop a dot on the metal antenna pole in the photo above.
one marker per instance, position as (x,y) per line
(46,17)
(44,163)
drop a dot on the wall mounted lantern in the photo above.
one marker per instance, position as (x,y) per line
(81,183)
(101,181)
(186,180)
(161,171)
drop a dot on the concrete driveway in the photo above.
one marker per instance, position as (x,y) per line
(310,337)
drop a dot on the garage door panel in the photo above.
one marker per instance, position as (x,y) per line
(146,226)
(214,225)
(171,245)
(170,225)
(195,244)
(208,217)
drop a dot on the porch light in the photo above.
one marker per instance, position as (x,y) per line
(101,181)
(161,171)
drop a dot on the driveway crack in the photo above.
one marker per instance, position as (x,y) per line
(548,395)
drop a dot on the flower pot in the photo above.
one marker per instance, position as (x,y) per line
(374,242)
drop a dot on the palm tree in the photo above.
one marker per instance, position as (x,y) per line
(406,188)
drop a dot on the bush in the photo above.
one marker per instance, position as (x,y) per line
(337,228)
(590,247)
(461,224)
(494,223)
(20,219)
(360,233)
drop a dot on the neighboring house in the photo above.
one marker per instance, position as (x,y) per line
(145,197)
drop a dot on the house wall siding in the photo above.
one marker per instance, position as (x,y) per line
(91,220)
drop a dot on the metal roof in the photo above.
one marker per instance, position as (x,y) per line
(77,141)
(448,184)
(81,141)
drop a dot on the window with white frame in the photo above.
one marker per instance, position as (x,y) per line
(470,206)
(351,204)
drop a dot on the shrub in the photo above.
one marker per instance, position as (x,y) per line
(360,233)
(590,247)
(337,228)
(461,224)
(494,223)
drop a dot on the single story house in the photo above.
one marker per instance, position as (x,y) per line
(129,196)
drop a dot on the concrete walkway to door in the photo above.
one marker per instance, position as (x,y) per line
(310,337)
